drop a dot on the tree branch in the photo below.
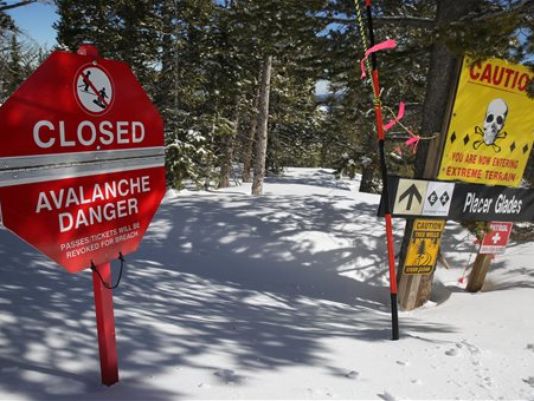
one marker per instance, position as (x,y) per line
(525,7)
(417,22)
(16,5)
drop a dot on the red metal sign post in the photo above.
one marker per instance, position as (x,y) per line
(86,173)
(105,324)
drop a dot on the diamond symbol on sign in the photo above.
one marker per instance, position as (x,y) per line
(445,198)
(512,146)
(453,137)
(525,149)
(466,139)
(433,198)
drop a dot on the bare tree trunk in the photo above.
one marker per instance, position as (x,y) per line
(263,121)
(249,141)
(368,172)
(229,143)
(322,159)
(478,273)
(369,165)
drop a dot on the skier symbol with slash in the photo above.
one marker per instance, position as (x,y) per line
(94,90)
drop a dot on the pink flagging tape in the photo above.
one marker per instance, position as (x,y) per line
(385,45)
(393,122)
(413,142)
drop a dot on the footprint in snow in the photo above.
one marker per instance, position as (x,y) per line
(227,376)
(530,381)
(452,352)
(352,375)
(386,396)
(530,347)
(473,349)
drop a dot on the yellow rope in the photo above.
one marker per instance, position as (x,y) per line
(363,35)
(376,96)
(407,129)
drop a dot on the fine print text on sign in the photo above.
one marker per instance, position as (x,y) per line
(490,139)
(467,201)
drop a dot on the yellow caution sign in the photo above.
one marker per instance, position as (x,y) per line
(491,131)
(424,244)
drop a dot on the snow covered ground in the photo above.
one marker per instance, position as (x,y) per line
(282,296)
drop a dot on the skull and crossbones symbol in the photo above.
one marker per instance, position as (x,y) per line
(493,125)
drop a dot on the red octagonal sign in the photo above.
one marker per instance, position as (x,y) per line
(81,160)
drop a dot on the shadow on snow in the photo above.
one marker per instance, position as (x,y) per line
(238,277)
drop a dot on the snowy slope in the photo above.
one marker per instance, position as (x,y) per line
(282,296)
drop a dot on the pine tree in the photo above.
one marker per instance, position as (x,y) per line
(227,71)
(274,31)
(119,30)
(262,125)
(404,72)
(182,93)
(249,137)
(18,60)
(164,43)
(7,28)
(295,120)
(6,22)
(15,68)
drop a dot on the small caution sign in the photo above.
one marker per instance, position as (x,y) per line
(423,250)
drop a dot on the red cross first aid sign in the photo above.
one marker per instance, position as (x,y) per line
(495,241)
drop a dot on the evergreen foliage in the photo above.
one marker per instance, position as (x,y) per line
(17,58)
(200,62)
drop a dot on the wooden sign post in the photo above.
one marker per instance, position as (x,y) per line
(494,242)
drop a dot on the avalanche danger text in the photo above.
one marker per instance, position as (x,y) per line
(98,203)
